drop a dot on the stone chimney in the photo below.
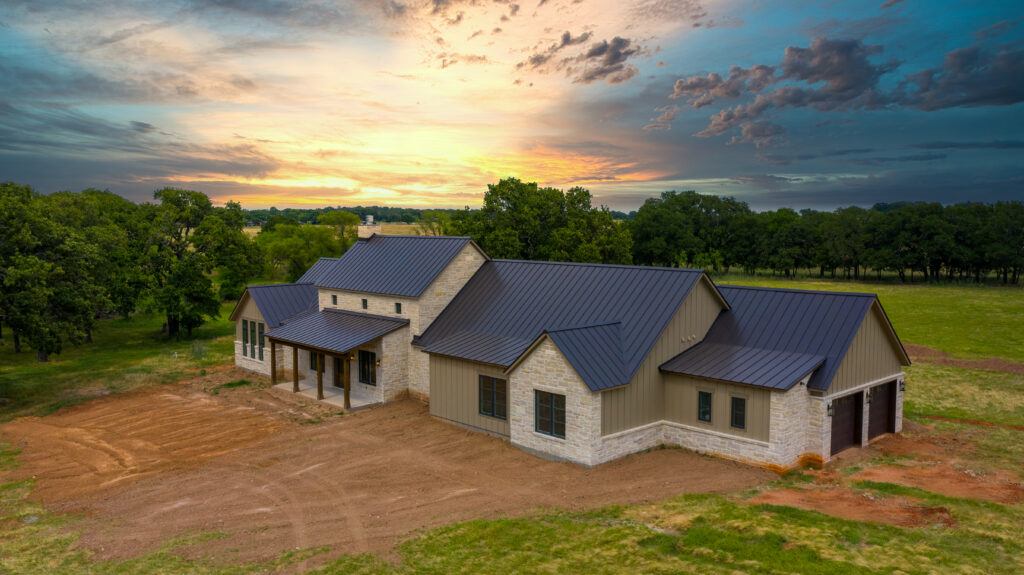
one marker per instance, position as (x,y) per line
(367,228)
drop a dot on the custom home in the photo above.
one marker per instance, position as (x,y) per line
(582,362)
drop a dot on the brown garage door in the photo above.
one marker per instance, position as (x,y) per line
(882,411)
(846,421)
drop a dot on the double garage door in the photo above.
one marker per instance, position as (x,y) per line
(848,416)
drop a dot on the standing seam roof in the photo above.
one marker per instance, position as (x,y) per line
(392,265)
(335,330)
(508,304)
(279,302)
(774,337)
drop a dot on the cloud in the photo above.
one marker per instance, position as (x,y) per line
(785,159)
(891,3)
(765,181)
(969,77)
(997,29)
(898,159)
(989,145)
(538,59)
(761,134)
(607,61)
(664,119)
(701,91)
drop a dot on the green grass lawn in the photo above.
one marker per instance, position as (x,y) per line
(962,320)
(125,354)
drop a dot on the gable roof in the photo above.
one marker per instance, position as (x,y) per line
(392,265)
(508,304)
(317,271)
(335,330)
(774,337)
(279,302)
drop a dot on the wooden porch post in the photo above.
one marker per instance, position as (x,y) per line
(319,375)
(295,369)
(273,363)
(346,371)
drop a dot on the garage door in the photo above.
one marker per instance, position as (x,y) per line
(882,411)
(846,421)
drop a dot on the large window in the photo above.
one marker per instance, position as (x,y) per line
(738,412)
(549,409)
(260,331)
(252,339)
(493,397)
(704,406)
(245,337)
(367,367)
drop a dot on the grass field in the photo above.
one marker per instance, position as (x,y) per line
(983,410)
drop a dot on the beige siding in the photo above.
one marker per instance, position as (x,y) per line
(250,312)
(454,390)
(872,355)
(681,405)
(642,400)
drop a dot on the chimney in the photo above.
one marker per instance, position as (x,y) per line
(367,228)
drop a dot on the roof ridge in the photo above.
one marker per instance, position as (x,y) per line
(279,285)
(597,265)
(418,237)
(800,290)
(361,314)
(586,326)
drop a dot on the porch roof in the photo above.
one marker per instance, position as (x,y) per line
(335,330)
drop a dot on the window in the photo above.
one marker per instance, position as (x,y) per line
(334,299)
(704,406)
(398,307)
(260,331)
(245,337)
(738,412)
(312,360)
(493,397)
(549,410)
(367,367)
(252,339)
(365,303)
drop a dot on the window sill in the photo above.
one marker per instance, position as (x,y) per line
(546,436)
(492,416)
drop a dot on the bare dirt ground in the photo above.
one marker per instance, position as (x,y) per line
(145,467)
(931,355)
(948,479)
(842,502)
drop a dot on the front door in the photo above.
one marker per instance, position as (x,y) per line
(336,380)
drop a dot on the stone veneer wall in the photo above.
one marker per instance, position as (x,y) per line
(253,363)
(546,369)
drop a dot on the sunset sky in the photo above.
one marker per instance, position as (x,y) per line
(424,102)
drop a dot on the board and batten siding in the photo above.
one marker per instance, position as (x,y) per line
(872,355)
(454,387)
(642,400)
(681,405)
(249,312)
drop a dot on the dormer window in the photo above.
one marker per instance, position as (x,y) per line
(365,303)
(398,307)
(334,299)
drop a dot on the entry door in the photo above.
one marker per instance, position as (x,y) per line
(882,412)
(336,380)
(847,414)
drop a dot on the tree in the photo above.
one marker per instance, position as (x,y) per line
(345,224)
(235,256)
(290,250)
(182,288)
(435,223)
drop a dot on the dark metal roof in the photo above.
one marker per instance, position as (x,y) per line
(508,304)
(317,270)
(809,326)
(747,365)
(595,352)
(335,330)
(278,302)
(392,265)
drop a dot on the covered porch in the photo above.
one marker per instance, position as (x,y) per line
(334,346)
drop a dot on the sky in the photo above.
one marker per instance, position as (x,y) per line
(422,103)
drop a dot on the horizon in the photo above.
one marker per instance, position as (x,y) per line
(422,104)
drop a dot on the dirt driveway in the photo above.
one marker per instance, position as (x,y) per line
(146,467)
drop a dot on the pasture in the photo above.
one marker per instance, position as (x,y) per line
(944,497)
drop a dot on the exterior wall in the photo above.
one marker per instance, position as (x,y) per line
(546,369)
(871,356)
(454,393)
(681,406)
(420,312)
(642,401)
(250,312)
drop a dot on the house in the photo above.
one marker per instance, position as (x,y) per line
(582,362)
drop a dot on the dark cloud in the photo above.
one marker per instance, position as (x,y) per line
(891,3)
(765,181)
(969,77)
(761,134)
(997,29)
(538,59)
(394,9)
(664,119)
(607,61)
(703,90)
(144,127)
(898,159)
(448,59)
(989,145)
(785,159)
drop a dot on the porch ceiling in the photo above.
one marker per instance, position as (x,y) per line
(335,330)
